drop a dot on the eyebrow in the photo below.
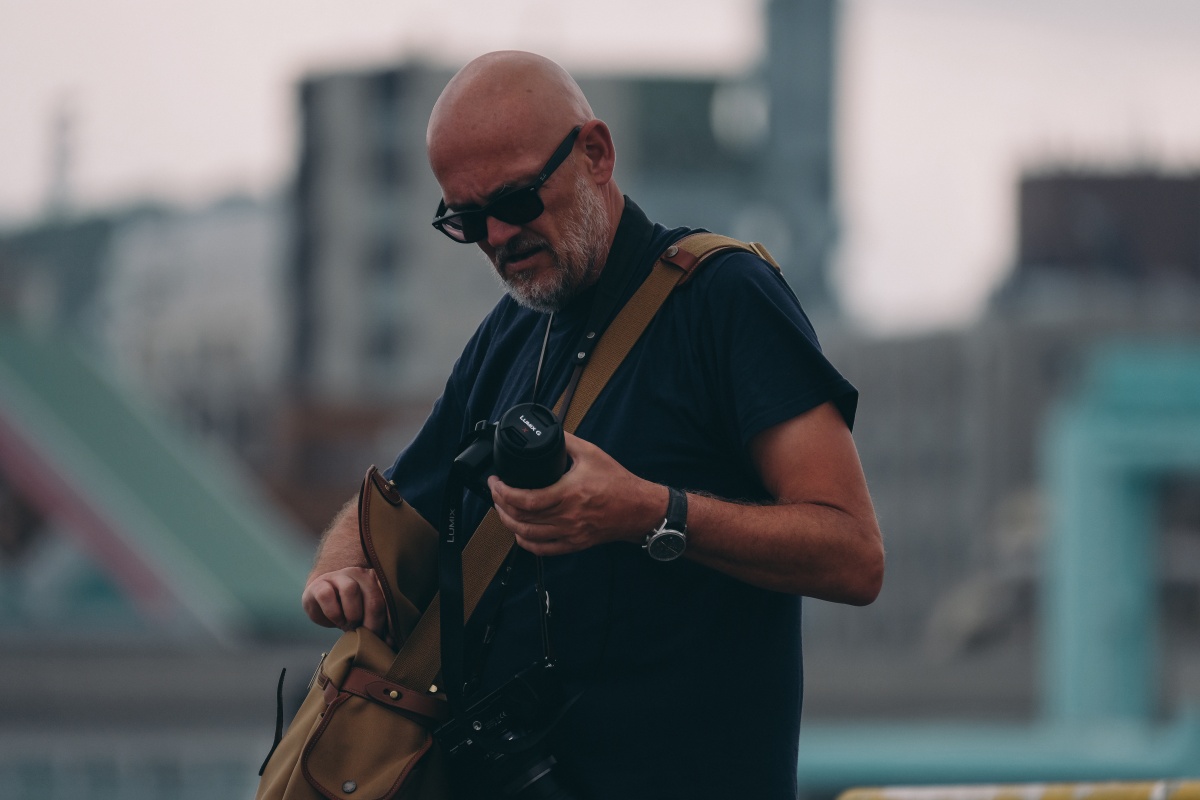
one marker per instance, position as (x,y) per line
(505,187)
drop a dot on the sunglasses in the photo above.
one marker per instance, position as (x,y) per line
(516,206)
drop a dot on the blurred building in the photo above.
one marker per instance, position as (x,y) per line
(950,433)
(51,272)
(1137,227)
(179,311)
(137,348)
(190,314)
(183,304)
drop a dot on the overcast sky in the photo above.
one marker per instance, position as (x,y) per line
(942,103)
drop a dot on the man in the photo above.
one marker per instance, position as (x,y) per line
(687,671)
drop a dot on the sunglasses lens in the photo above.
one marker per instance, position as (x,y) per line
(452,228)
(517,208)
(474,226)
(468,226)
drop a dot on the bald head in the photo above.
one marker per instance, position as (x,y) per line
(504,98)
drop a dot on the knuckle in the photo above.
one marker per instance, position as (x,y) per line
(320,591)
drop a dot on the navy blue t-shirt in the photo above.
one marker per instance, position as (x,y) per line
(690,681)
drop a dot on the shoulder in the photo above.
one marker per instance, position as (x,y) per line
(738,269)
(739,288)
(728,269)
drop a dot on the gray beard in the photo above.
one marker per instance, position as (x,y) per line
(576,259)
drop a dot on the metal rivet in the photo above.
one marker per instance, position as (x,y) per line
(394,694)
(433,688)
(591,335)
(581,355)
(672,251)
(477,725)
(349,786)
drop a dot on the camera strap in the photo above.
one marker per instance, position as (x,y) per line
(453,615)
(450,592)
(450,578)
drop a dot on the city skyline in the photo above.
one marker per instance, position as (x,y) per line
(941,106)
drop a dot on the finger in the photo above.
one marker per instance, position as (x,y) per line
(323,604)
(374,606)
(350,594)
(529,501)
(312,607)
(575,445)
(514,525)
(528,530)
(580,448)
(552,547)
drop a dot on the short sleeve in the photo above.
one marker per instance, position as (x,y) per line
(764,363)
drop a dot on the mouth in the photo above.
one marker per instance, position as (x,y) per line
(519,260)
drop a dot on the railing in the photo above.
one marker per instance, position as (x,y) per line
(120,765)
(1147,790)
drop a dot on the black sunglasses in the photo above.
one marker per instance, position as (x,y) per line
(516,206)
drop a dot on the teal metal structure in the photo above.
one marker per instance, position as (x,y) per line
(179,527)
(1135,419)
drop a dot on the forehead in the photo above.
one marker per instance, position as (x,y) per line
(473,169)
(473,176)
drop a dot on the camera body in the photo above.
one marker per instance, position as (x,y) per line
(526,448)
(498,744)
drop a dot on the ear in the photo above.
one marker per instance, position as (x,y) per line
(600,157)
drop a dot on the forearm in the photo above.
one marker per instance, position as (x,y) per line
(807,548)
(797,547)
(819,537)
(340,545)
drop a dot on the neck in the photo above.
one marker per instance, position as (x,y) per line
(614,203)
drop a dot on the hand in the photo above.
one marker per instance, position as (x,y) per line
(347,598)
(596,501)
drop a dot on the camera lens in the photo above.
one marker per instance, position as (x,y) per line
(530,450)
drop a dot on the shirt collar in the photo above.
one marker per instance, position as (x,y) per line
(635,233)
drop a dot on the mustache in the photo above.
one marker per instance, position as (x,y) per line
(505,252)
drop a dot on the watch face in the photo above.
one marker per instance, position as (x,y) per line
(666,545)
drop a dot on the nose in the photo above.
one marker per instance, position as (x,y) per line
(499,232)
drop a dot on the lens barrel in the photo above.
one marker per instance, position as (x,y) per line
(530,449)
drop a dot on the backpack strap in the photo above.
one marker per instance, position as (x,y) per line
(418,662)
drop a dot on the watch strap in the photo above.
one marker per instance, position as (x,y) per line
(676,510)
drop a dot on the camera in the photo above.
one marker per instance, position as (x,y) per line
(526,448)
(498,745)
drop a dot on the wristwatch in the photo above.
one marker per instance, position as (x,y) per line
(668,541)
